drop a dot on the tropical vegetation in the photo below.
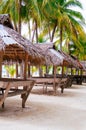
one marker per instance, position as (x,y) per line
(50,20)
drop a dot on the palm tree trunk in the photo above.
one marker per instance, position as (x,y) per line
(54,29)
(19,16)
(61,37)
(15,26)
(33,33)
(29,30)
(14,17)
(36,28)
(49,32)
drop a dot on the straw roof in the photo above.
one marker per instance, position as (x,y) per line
(50,57)
(72,62)
(83,63)
(77,62)
(15,47)
(5,20)
(54,57)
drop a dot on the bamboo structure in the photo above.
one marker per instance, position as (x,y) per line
(16,49)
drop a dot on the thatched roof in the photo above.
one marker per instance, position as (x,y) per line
(77,62)
(83,63)
(72,62)
(15,47)
(52,56)
(5,20)
(56,57)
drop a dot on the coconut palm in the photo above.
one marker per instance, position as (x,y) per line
(67,19)
(13,7)
(53,16)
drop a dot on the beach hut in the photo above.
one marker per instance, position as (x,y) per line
(15,48)
(77,77)
(55,58)
(84,70)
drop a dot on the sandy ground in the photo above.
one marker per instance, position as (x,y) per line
(65,111)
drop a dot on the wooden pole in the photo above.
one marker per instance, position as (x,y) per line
(40,71)
(1,59)
(21,69)
(16,70)
(29,70)
(25,66)
(62,70)
(54,84)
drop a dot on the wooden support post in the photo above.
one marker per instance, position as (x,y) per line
(25,95)
(71,71)
(2,94)
(62,70)
(16,70)
(1,58)
(40,71)
(46,69)
(5,94)
(25,66)
(21,70)
(29,71)
(54,83)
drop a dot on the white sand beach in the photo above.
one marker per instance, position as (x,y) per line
(65,111)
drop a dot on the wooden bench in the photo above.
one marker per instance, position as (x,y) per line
(13,87)
(77,79)
(47,82)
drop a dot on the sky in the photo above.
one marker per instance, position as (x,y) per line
(84,7)
(83,11)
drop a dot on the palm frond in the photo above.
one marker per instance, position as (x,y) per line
(72,3)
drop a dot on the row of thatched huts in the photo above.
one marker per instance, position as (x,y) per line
(17,49)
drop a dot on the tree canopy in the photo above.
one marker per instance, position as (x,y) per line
(52,20)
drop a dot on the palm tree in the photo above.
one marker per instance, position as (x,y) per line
(13,7)
(55,16)
(11,71)
(67,20)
